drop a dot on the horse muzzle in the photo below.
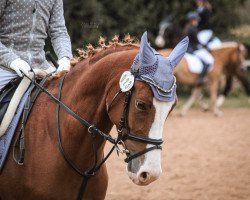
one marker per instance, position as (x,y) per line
(145,170)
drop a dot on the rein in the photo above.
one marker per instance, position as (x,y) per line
(123,135)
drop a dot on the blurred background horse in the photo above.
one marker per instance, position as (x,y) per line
(229,54)
(171,31)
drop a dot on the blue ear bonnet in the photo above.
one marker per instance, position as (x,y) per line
(159,75)
(156,70)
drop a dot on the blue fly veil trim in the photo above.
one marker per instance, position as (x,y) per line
(151,81)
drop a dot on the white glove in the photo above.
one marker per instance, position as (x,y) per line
(64,64)
(51,69)
(20,66)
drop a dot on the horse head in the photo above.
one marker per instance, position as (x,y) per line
(150,95)
(169,33)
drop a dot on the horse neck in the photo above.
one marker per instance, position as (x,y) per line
(85,91)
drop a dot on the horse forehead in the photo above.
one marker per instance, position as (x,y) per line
(143,90)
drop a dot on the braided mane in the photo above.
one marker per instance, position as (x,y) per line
(91,51)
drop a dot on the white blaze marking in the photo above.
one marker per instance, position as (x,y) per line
(152,162)
(161,112)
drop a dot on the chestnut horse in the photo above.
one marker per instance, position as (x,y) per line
(237,71)
(229,54)
(170,32)
(90,90)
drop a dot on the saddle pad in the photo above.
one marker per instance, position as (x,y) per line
(6,139)
(21,89)
(194,64)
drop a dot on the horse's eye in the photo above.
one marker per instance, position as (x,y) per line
(140,105)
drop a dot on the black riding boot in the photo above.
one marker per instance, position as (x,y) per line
(203,74)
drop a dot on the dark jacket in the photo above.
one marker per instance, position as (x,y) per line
(204,14)
(194,43)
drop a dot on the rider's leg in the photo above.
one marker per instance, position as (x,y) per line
(6,77)
(203,73)
(207,60)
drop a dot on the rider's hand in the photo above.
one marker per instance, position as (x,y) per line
(64,64)
(20,66)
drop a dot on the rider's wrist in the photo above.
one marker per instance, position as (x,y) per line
(15,60)
(64,58)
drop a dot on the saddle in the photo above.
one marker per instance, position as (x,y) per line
(18,97)
(6,95)
(194,64)
(11,96)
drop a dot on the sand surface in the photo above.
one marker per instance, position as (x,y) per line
(203,158)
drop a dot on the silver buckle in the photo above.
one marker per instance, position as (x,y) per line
(122,150)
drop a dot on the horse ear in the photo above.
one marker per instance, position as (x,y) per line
(146,54)
(178,52)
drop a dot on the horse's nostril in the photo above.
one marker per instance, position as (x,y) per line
(144,177)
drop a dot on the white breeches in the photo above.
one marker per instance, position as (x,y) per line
(205,56)
(6,77)
(204,37)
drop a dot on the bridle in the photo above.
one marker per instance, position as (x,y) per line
(125,134)
(122,129)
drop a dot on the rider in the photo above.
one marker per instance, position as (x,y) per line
(206,35)
(195,47)
(204,9)
(24,26)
